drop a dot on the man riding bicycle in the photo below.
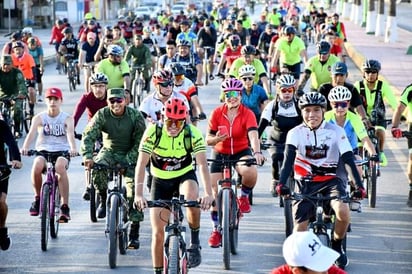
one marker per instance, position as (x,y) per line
(70,46)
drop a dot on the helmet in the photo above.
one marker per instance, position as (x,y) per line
(339,93)
(234,40)
(248,50)
(59,22)
(17,44)
(231,84)
(65,20)
(289,30)
(175,108)
(184,43)
(98,78)
(312,99)
(371,64)
(147,29)
(339,68)
(67,30)
(177,68)
(88,16)
(285,81)
(27,30)
(108,27)
(115,50)
(246,70)
(323,47)
(162,76)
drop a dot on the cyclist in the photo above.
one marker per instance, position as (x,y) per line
(264,40)
(229,54)
(373,92)
(160,35)
(187,35)
(27,33)
(6,138)
(70,45)
(207,37)
(290,50)
(101,52)
(37,53)
(170,177)
(318,67)
(122,128)
(87,56)
(283,114)
(241,129)
(152,104)
(165,60)
(313,149)
(92,27)
(54,130)
(140,55)
(340,27)
(190,61)
(56,38)
(149,41)
(404,102)
(128,28)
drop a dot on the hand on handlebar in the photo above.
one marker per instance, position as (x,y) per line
(396,132)
(207,202)
(359,193)
(140,202)
(283,190)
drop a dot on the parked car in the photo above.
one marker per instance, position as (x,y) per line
(143,11)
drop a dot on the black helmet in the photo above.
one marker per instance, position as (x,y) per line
(289,30)
(370,64)
(177,68)
(323,47)
(67,30)
(248,50)
(312,99)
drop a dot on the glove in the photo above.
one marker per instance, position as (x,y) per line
(282,190)
(202,116)
(374,158)
(359,193)
(274,69)
(396,132)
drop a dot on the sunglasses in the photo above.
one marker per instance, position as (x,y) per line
(232,94)
(116,100)
(248,78)
(177,123)
(339,104)
(287,90)
(371,71)
(166,84)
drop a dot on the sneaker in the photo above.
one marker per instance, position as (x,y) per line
(409,202)
(244,204)
(384,161)
(5,240)
(86,194)
(273,188)
(34,209)
(64,214)
(78,81)
(211,77)
(133,244)
(215,239)
(194,256)
(342,261)
(101,211)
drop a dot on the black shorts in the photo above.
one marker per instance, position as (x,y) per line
(166,189)
(38,74)
(304,210)
(4,180)
(218,168)
(409,139)
(54,158)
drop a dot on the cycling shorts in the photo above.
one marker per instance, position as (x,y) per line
(166,189)
(38,74)
(4,180)
(218,168)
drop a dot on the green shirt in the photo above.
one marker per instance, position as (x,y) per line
(406,99)
(12,84)
(320,73)
(115,73)
(274,19)
(290,53)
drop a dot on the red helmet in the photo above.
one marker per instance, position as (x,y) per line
(162,76)
(175,108)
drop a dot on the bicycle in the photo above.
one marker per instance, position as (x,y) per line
(138,85)
(7,113)
(206,63)
(49,197)
(175,252)
(228,209)
(71,71)
(371,169)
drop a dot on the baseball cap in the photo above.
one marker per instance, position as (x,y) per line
(304,248)
(32,40)
(339,68)
(115,93)
(6,60)
(53,92)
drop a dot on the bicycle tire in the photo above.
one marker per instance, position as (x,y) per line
(287,210)
(234,225)
(205,72)
(250,197)
(93,203)
(225,224)
(372,186)
(73,83)
(54,224)
(113,222)
(45,216)
(174,252)
(123,238)
(324,239)
(134,92)
(139,92)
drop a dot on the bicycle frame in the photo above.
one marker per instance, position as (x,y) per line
(138,85)
(206,63)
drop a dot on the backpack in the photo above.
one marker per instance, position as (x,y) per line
(187,138)
(378,105)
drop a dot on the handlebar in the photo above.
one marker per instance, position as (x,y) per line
(229,162)
(316,197)
(407,134)
(48,154)
(116,168)
(173,201)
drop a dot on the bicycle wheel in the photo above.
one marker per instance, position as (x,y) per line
(93,202)
(234,225)
(45,216)
(134,93)
(113,222)
(123,238)
(54,222)
(324,238)
(372,186)
(205,64)
(139,92)
(225,224)
(287,210)
(173,266)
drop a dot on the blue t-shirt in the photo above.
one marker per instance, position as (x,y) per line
(254,99)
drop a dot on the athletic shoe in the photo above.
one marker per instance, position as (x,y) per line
(215,239)
(64,214)
(244,204)
(194,256)
(342,261)
(34,209)
(409,202)
(101,211)
(86,194)
(384,161)
(5,240)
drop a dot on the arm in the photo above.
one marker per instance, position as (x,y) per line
(79,110)
(35,123)
(139,177)
(349,159)
(287,166)
(70,136)
(255,144)
(262,126)
(139,128)
(204,173)
(304,79)
(397,114)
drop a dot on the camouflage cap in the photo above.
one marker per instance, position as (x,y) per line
(115,93)
(6,60)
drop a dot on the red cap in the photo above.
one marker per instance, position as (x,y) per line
(54,92)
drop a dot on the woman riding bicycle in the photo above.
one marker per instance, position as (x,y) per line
(232,126)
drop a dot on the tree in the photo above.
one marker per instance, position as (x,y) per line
(391,31)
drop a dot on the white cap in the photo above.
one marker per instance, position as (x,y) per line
(305,249)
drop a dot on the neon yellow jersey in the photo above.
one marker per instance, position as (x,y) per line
(234,68)
(274,19)
(320,73)
(114,73)
(353,126)
(169,159)
(406,99)
(247,23)
(290,53)
(387,95)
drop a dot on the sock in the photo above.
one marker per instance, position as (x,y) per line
(245,191)
(410,186)
(158,270)
(215,219)
(194,233)
(337,245)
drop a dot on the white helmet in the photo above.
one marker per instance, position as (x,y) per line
(27,30)
(339,93)
(246,70)
(285,81)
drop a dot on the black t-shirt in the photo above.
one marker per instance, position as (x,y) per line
(355,101)
(174,32)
